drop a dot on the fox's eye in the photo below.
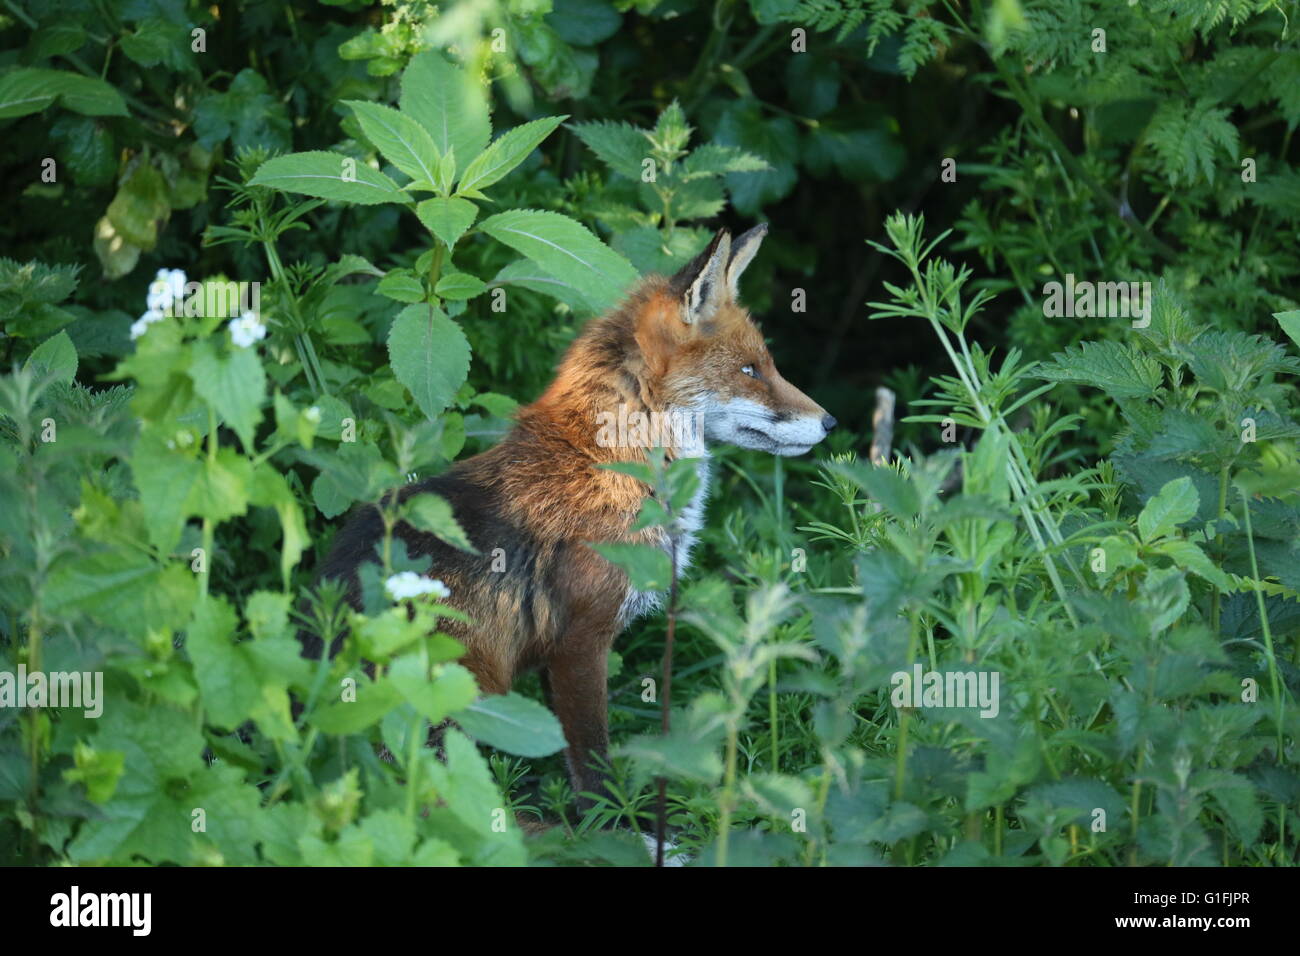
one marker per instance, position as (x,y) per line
(749,370)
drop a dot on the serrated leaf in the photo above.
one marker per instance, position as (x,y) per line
(233,384)
(567,250)
(447,218)
(621,147)
(1111,366)
(434,514)
(449,103)
(322,174)
(429,355)
(58,356)
(529,275)
(401,286)
(509,150)
(714,160)
(405,143)
(459,286)
(1177,502)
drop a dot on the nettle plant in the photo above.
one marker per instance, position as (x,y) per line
(658,186)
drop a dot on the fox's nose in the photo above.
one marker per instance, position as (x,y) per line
(828,422)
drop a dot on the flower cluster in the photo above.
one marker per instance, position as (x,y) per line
(246,330)
(166,290)
(408,584)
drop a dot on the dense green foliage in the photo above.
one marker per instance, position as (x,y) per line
(1102,510)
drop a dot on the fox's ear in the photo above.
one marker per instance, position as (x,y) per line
(701,282)
(743,251)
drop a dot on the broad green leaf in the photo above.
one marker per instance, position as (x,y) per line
(1190,557)
(29,90)
(459,286)
(123,589)
(234,384)
(648,568)
(1177,502)
(429,355)
(328,176)
(58,356)
(451,689)
(342,716)
(227,680)
(432,513)
(1290,322)
(509,150)
(449,103)
(529,275)
(163,476)
(447,218)
(402,285)
(513,723)
(567,250)
(405,143)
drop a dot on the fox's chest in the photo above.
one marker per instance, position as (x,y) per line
(636,603)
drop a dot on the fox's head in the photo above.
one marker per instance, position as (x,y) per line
(705,355)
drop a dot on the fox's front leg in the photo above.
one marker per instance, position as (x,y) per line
(576,678)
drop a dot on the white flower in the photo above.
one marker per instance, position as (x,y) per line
(139,325)
(246,330)
(408,584)
(312,414)
(166,291)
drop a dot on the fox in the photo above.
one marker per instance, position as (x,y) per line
(678,346)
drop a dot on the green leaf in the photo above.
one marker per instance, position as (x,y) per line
(328,176)
(567,250)
(248,114)
(509,150)
(621,147)
(451,689)
(402,285)
(775,139)
(885,486)
(228,682)
(432,513)
(29,90)
(512,723)
(1290,322)
(58,356)
(1110,366)
(584,22)
(1177,502)
(405,143)
(529,275)
(715,160)
(163,476)
(447,218)
(429,355)
(373,701)
(1190,557)
(459,286)
(648,568)
(449,103)
(233,384)
(122,589)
